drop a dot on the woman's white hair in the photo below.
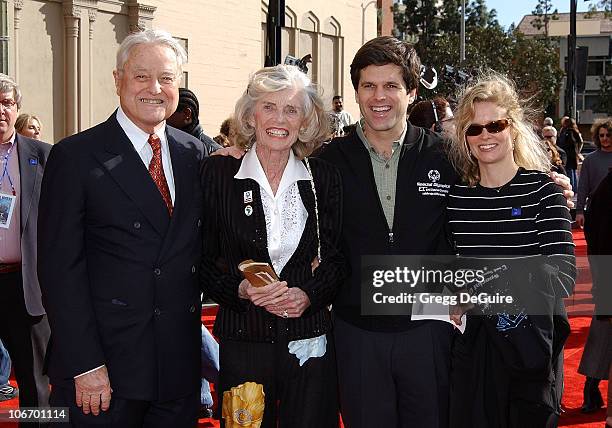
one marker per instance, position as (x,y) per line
(274,79)
(153,37)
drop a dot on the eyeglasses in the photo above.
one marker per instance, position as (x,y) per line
(8,103)
(549,137)
(604,135)
(493,127)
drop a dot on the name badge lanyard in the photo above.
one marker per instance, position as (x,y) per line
(5,172)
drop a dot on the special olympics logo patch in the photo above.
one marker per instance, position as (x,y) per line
(434,175)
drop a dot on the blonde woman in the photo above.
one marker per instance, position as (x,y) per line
(28,125)
(507,368)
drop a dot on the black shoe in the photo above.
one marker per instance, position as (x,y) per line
(592,397)
(8,392)
(205,412)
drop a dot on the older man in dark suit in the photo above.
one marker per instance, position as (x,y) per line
(24,329)
(120,243)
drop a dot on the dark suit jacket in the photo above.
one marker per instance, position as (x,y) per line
(118,274)
(598,230)
(32,158)
(231,236)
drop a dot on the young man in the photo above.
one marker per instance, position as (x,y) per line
(393,372)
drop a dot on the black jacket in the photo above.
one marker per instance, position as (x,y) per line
(117,273)
(419,213)
(598,230)
(231,236)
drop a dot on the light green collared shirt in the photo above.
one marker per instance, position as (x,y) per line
(385,172)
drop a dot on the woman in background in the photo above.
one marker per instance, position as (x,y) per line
(28,125)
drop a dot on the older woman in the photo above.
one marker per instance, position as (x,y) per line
(275,206)
(28,125)
(507,365)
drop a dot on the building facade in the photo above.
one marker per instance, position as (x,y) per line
(62,52)
(593,32)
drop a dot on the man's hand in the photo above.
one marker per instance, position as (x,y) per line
(564,182)
(232,151)
(93,391)
(456,311)
(580,220)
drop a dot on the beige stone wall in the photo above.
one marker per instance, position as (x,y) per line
(62,52)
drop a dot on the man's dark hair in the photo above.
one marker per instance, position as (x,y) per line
(189,99)
(422,113)
(388,50)
(337,97)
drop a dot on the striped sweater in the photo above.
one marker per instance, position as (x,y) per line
(527,216)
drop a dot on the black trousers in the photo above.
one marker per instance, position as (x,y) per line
(25,337)
(394,379)
(295,396)
(124,413)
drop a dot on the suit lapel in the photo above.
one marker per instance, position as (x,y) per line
(28,173)
(125,166)
(183,187)
(255,223)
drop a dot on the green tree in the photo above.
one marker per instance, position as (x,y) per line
(544,13)
(419,18)
(478,15)
(599,6)
(605,96)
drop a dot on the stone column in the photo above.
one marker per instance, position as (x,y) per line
(72,16)
(140,16)
(17,21)
(92,14)
(4,37)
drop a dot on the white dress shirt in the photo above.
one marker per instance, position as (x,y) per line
(140,141)
(285,212)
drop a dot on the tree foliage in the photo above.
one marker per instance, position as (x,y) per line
(544,13)
(605,96)
(532,63)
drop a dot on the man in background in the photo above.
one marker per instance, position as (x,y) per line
(340,117)
(187,119)
(24,330)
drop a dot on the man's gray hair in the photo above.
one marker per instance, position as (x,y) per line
(548,121)
(7,84)
(153,37)
(551,129)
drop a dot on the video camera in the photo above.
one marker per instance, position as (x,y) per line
(302,64)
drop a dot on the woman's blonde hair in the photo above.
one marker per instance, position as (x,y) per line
(274,79)
(492,87)
(22,121)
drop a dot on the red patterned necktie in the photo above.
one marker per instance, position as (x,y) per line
(157,171)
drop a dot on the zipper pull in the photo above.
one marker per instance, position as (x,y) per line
(390,237)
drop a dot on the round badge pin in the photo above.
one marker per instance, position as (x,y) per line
(248,210)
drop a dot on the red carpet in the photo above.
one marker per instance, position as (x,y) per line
(579,307)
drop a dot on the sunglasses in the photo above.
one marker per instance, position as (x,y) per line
(494,127)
